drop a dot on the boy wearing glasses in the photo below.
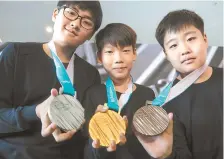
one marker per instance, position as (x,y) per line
(28,74)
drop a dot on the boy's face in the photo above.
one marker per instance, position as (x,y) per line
(117,61)
(186,49)
(69,32)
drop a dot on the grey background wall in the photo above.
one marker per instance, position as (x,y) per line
(26,20)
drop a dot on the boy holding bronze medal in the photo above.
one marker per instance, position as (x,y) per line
(116,98)
(195,95)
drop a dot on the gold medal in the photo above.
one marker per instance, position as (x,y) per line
(106,127)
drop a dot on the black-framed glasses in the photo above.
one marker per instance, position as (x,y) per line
(71,14)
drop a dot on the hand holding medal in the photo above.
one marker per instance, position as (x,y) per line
(65,110)
(158,146)
(152,119)
(107,127)
(48,127)
(110,126)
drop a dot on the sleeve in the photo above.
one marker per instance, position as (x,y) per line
(152,93)
(180,148)
(12,118)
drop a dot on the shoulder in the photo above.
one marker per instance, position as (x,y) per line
(217,79)
(24,45)
(217,71)
(143,90)
(9,51)
(20,47)
(89,69)
(85,64)
(29,48)
(217,75)
(96,89)
(94,93)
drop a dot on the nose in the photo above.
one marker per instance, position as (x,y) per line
(118,57)
(76,24)
(185,49)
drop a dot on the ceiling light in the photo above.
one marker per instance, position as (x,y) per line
(49,29)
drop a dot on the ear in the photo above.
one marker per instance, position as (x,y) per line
(206,40)
(99,57)
(54,15)
(164,51)
(135,55)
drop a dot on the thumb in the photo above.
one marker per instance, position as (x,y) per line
(170,115)
(170,126)
(125,120)
(54,92)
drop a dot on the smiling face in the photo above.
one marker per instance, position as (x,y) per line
(186,49)
(117,61)
(70,32)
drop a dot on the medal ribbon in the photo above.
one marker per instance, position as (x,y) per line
(64,76)
(169,92)
(113,102)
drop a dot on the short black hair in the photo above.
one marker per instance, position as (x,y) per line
(93,7)
(175,21)
(116,34)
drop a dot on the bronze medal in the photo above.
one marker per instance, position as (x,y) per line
(150,120)
(106,127)
(66,112)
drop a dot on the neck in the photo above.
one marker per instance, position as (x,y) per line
(121,85)
(204,77)
(64,52)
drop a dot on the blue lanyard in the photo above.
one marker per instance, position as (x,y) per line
(170,93)
(62,74)
(112,96)
(161,98)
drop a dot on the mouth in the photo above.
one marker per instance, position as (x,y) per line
(188,60)
(71,31)
(119,68)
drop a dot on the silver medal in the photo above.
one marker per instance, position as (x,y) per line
(66,112)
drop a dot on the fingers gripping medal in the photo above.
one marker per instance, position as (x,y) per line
(107,126)
(65,110)
(152,119)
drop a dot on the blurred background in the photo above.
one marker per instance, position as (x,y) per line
(25,21)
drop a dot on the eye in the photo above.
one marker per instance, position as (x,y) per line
(126,50)
(173,46)
(87,22)
(70,12)
(108,52)
(191,39)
